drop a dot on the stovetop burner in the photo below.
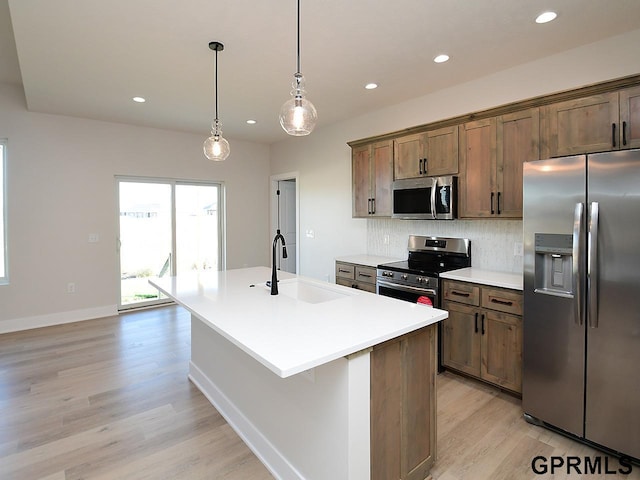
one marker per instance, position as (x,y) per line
(430,256)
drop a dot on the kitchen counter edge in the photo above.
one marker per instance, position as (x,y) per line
(491,278)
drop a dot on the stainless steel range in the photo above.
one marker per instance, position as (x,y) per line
(419,276)
(417,279)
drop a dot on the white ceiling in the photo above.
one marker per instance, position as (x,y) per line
(89,58)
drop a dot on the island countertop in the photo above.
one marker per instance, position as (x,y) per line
(289,333)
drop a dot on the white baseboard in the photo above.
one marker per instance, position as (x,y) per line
(275,462)
(48,320)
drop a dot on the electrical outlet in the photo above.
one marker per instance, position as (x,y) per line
(517,249)
(94,238)
(71,287)
(310,234)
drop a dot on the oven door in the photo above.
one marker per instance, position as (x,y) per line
(406,292)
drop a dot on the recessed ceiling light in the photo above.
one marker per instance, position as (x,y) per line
(371,86)
(546,17)
(139,99)
(251,122)
(441,58)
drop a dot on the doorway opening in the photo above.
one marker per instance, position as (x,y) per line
(285,200)
(165,227)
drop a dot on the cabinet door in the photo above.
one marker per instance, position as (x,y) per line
(382,177)
(584,125)
(408,154)
(442,152)
(360,158)
(461,338)
(518,141)
(403,406)
(630,118)
(502,349)
(477,168)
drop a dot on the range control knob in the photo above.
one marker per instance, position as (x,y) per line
(404,276)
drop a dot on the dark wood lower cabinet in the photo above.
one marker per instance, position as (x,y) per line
(403,406)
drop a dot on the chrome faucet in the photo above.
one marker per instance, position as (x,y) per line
(274,277)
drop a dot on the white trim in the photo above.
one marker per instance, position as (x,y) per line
(266,452)
(60,318)
(273,180)
(4,212)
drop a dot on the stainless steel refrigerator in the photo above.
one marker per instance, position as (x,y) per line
(581,222)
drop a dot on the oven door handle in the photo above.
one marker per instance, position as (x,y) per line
(406,288)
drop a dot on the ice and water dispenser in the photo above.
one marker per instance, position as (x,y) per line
(554,264)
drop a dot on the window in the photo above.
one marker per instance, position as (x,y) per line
(4,273)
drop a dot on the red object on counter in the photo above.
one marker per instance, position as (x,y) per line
(425,301)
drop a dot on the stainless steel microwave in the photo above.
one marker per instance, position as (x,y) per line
(425,198)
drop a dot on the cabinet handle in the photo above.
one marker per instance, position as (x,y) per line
(460,294)
(420,166)
(498,203)
(369,206)
(502,302)
(613,134)
(624,134)
(373,204)
(476,322)
(482,320)
(343,271)
(425,166)
(365,275)
(492,210)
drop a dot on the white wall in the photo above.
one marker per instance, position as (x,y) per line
(61,188)
(323,159)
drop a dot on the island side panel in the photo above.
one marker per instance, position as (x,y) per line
(304,426)
(403,406)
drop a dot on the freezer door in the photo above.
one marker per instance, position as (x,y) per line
(613,336)
(554,331)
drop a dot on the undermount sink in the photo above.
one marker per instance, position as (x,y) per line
(310,292)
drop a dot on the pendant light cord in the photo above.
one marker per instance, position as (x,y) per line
(216,80)
(278,195)
(298,36)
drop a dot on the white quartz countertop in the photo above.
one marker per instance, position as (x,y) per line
(289,335)
(486,277)
(367,260)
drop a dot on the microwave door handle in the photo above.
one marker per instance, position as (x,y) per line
(434,187)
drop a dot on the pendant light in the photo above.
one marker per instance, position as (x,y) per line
(298,116)
(215,147)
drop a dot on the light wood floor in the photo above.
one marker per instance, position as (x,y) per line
(109,399)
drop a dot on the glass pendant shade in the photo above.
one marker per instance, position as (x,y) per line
(216,147)
(298,116)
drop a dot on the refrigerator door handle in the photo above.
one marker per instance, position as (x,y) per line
(578,232)
(592,265)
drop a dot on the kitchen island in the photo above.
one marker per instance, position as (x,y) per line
(321,381)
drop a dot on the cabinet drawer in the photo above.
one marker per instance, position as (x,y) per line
(365,274)
(345,270)
(462,293)
(502,300)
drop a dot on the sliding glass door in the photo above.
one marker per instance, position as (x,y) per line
(165,227)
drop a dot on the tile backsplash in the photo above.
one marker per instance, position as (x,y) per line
(493,242)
